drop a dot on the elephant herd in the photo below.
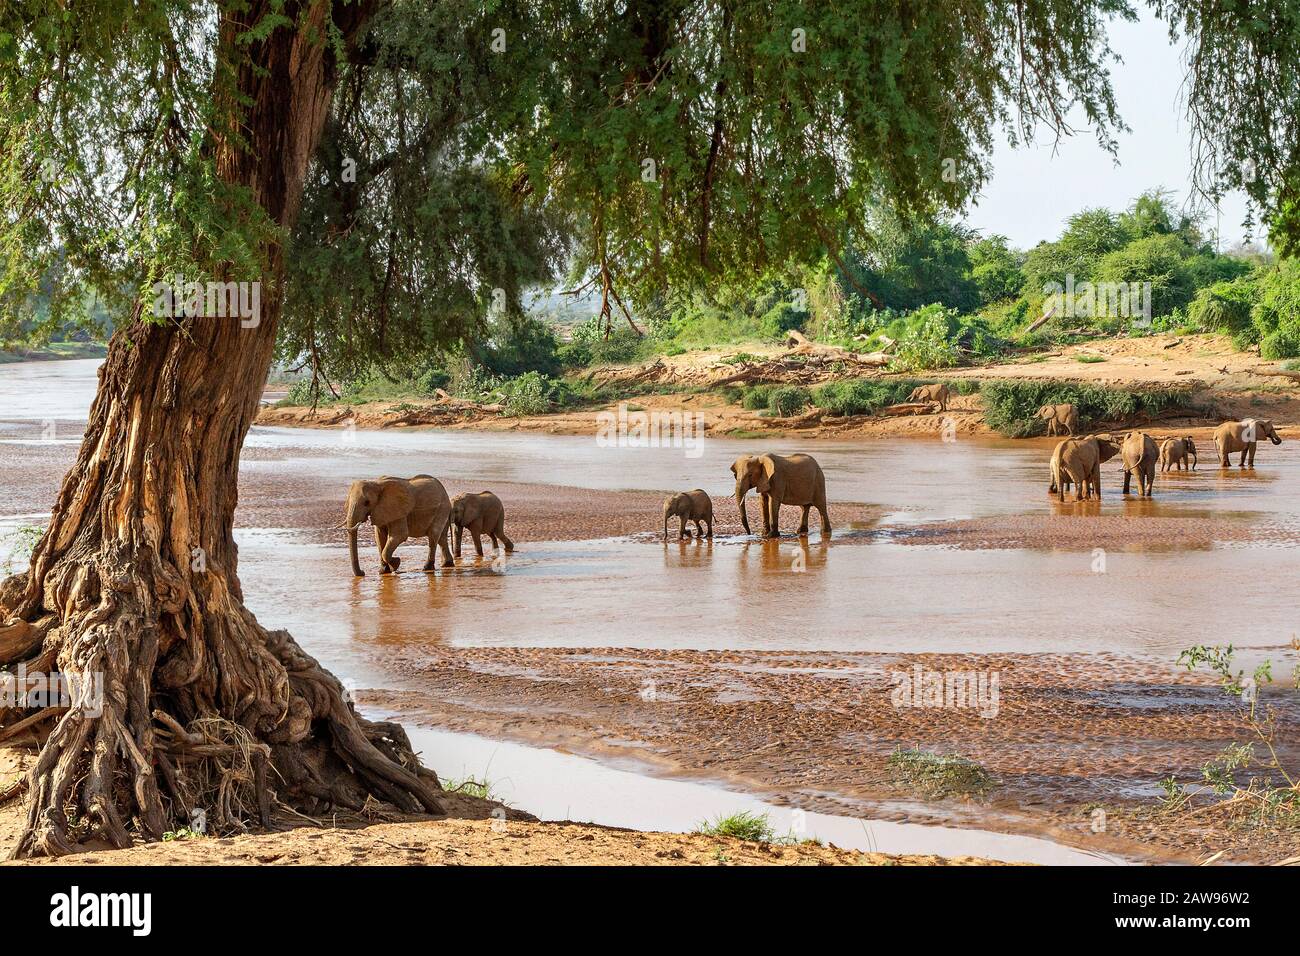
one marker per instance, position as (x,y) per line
(402,508)
(1078,461)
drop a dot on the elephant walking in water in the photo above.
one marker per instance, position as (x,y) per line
(1078,461)
(1176,452)
(1140,458)
(1241,436)
(399,508)
(781,480)
(481,513)
(686,506)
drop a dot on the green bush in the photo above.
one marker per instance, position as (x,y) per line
(1276,316)
(526,394)
(1010,406)
(788,400)
(756,397)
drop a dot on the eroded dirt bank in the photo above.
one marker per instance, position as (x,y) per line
(1064,735)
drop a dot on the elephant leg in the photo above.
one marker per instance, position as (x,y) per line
(1251,449)
(775,508)
(803,521)
(381,539)
(444,542)
(764,505)
(397,533)
(682,533)
(699,529)
(475,530)
(1128,477)
(505,540)
(709,522)
(460,533)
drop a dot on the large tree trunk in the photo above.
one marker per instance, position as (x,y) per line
(136,577)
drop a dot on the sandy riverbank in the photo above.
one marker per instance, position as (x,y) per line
(470,836)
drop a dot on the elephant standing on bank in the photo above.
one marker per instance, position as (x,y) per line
(481,513)
(1140,459)
(1175,453)
(1078,461)
(1241,436)
(1064,417)
(781,480)
(686,506)
(399,508)
(932,393)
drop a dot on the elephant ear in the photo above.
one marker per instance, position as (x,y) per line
(762,469)
(739,465)
(394,501)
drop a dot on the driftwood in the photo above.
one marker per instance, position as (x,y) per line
(1041,319)
(910,408)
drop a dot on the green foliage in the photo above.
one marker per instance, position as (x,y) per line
(788,400)
(926,339)
(1226,307)
(756,397)
(1158,259)
(21,542)
(863,396)
(1276,316)
(1010,405)
(995,269)
(743,825)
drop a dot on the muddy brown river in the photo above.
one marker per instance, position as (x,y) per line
(951,549)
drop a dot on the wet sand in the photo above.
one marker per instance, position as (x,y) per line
(962,554)
(1064,735)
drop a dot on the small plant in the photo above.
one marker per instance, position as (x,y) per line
(482,789)
(23,541)
(938,775)
(1269,796)
(184,833)
(1090,359)
(740,357)
(743,825)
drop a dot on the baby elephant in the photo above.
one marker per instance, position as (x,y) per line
(687,506)
(1174,452)
(1059,418)
(932,393)
(481,513)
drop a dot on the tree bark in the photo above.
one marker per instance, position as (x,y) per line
(136,577)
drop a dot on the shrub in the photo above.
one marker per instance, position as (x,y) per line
(1010,406)
(526,394)
(851,397)
(1276,316)
(924,341)
(788,400)
(756,397)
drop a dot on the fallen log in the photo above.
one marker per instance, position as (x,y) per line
(909,408)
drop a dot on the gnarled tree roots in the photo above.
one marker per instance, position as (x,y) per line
(180,712)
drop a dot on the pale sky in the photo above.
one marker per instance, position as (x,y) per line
(1032,191)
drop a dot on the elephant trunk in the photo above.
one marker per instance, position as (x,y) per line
(352,551)
(667,515)
(741,490)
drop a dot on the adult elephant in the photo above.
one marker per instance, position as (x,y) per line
(399,508)
(1241,436)
(1140,458)
(781,480)
(1079,461)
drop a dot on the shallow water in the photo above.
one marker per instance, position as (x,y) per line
(863,590)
